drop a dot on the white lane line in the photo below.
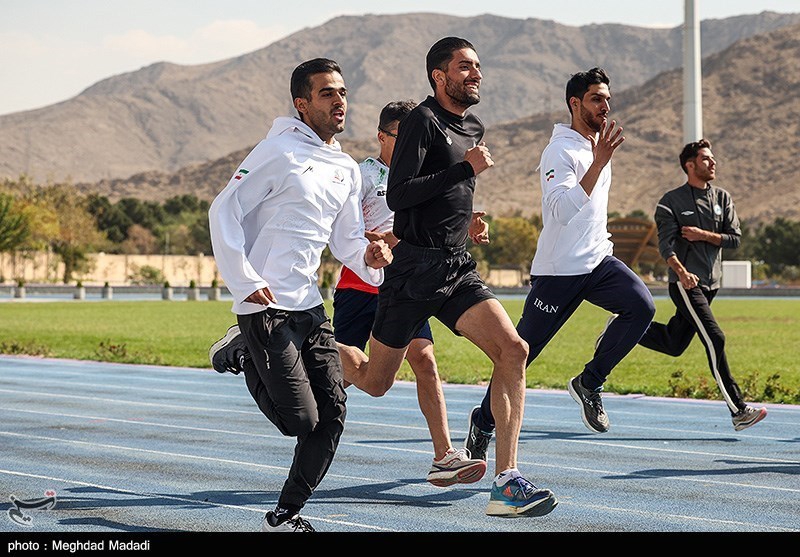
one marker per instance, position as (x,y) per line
(526,422)
(181,499)
(415,451)
(373,480)
(683,517)
(109,386)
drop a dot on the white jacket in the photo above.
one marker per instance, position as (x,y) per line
(574,237)
(289,198)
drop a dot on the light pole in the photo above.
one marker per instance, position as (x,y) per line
(692,75)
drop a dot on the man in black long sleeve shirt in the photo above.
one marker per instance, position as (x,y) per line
(431,186)
(438,154)
(695,222)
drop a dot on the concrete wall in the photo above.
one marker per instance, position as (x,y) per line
(45,267)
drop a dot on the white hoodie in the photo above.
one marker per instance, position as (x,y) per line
(290,197)
(574,237)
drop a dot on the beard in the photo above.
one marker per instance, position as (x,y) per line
(459,94)
(323,123)
(594,123)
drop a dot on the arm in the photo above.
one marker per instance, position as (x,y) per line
(688,280)
(225,218)
(558,175)
(349,245)
(406,188)
(668,229)
(731,236)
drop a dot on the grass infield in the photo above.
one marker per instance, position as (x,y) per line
(763,344)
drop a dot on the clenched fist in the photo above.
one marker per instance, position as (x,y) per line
(378,254)
(479,157)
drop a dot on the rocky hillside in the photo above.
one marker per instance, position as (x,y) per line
(165,117)
(751,112)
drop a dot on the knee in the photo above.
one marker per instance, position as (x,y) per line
(423,365)
(379,387)
(643,309)
(300,424)
(514,351)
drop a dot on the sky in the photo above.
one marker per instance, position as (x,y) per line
(51,50)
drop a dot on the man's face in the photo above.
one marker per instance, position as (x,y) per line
(595,106)
(463,78)
(325,111)
(703,166)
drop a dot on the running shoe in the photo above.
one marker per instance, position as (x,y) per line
(603,332)
(518,497)
(477,441)
(594,417)
(456,467)
(285,523)
(228,353)
(747,417)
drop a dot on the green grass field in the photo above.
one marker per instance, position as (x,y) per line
(763,344)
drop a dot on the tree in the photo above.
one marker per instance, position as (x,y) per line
(512,242)
(14,227)
(778,244)
(140,240)
(77,231)
(110,219)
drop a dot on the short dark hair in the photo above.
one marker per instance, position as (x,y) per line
(579,83)
(690,151)
(301,76)
(394,111)
(441,53)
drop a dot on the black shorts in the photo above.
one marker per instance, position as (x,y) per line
(422,283)
(354,314)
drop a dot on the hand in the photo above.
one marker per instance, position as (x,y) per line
(262,296)
(378,254)
(479,228)
(479,157)
(387,237)
(693,234)
(606,142)
(688,280)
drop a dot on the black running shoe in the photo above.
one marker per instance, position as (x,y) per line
(228,353)
(594,417)
(477,441)
(285,523)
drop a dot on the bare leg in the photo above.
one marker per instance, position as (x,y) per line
(430,395)
(488,326)
(373,374)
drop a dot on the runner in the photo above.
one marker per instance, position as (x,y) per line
(438,154)
(295,193)
(695,223)
(574,257)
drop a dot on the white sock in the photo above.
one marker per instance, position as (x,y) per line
(506,475)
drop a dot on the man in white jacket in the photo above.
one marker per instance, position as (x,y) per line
(295,193)
(574,258)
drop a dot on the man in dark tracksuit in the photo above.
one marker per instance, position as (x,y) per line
(695,222)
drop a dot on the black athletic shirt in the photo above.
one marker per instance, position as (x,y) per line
(431,186)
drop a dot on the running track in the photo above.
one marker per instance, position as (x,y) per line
(132,449)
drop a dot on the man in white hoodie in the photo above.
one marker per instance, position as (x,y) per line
(295,193)
(574,258)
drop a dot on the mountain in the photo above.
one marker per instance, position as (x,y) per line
(751,112)
(166,116)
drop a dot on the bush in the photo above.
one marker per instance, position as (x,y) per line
(146,275)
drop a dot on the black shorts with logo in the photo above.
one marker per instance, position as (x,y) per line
(422,283)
